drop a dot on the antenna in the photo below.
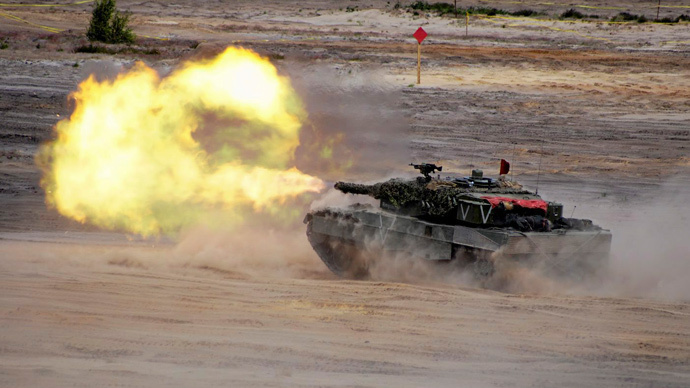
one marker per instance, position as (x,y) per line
(471,153)
(541,155)
(513,172)
(571,214)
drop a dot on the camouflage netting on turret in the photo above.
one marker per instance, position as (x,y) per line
(441,200)
(400,193)
(436,197)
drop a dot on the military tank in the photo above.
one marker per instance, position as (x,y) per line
(475,222)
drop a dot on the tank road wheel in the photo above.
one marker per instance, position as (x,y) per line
(343,258)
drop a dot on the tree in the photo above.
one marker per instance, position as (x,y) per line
(108,24)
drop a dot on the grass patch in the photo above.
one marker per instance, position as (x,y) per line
(629,17)
(444,8)
(96,49)
(681,18)
(448,8)
(4,45)
(526,13)
(149,51)
(439,8)
(91,49)
(572,13)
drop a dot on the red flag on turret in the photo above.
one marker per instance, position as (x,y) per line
(505,167)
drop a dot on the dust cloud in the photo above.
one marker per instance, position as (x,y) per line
(650,255)
(253,251)
(356,127)
(103,70)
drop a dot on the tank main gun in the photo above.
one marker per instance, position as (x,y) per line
(358,188)
(398,193)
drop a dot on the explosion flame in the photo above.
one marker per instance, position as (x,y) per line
(148,154)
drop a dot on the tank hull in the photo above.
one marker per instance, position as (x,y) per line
(348,239)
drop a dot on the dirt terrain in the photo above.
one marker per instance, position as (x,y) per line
(594,114)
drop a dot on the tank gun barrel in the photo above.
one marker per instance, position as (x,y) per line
(357,188)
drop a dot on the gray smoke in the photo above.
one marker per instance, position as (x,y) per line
(359,114)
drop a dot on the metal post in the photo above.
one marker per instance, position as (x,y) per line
(467,22)
(419,63)
(657,10)
(541,154)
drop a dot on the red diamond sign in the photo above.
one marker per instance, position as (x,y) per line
(420,34)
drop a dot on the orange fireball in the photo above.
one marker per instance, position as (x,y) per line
(148,154)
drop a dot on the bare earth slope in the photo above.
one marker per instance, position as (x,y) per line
(603,108)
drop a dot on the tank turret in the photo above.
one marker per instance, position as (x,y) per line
(473,200)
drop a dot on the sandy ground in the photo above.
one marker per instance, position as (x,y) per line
(603,108)
(90,323)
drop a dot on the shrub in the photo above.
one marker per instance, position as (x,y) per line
(95,49)
(448,8)
(572,14)
(441,8)
(152,51)
(678,19)
(108,24)
(91,49)
(628,17)
(526,12)
(489,11)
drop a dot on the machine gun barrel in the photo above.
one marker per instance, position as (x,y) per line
(427,169)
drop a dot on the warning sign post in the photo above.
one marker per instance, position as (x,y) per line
(420,34)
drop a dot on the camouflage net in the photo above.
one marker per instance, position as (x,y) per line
(436,197)
(441,200)
(399,193)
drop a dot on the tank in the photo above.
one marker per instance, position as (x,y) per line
(474,222)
